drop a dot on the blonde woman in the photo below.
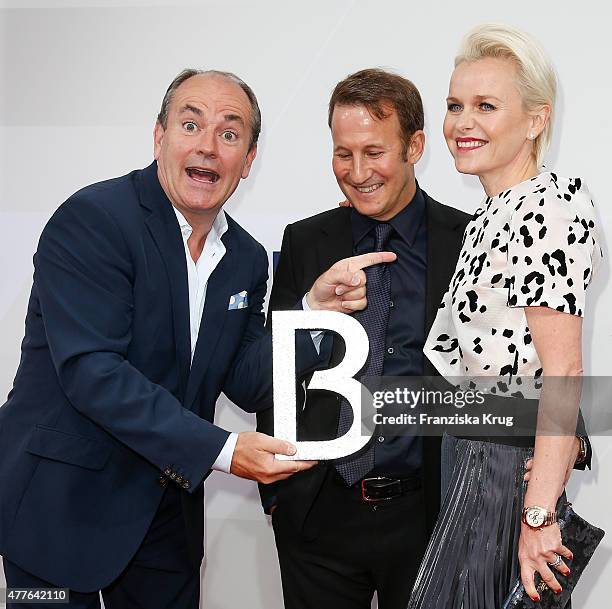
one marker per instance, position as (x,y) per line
(514,309)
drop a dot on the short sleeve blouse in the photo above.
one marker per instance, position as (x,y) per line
(533,245)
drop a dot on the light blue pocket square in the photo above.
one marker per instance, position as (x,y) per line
(238,301)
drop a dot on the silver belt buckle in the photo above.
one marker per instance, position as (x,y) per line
(368,499)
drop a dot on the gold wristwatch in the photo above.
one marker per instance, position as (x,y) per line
(537,517)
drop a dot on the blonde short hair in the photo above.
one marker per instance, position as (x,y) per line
(536,81)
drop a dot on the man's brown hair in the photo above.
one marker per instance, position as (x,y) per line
(375,88)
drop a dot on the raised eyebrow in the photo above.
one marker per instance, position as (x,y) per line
(234,118)
(190,108)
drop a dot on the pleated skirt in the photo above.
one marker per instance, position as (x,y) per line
(471,561)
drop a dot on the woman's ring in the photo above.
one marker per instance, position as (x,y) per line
(557,561)
(297,469)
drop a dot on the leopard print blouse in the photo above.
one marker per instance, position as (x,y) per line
(533,245)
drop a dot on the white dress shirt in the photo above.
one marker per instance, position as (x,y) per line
(198,274)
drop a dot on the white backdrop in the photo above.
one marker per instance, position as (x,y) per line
(81,86)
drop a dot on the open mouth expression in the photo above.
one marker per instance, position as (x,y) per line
(203,176)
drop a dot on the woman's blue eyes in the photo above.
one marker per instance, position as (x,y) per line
(487,107)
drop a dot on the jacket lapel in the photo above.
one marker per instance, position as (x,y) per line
(443,238)
(336,243)
(164,229)
(213,316)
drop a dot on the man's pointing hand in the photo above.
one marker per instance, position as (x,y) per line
(343,287)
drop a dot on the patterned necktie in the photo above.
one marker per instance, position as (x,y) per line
(374,320)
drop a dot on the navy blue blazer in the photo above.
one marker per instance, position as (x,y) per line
(104,398)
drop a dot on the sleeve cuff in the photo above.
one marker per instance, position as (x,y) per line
(223,462)
(316,335)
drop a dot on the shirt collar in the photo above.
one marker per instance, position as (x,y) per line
(406,223)
(217,230)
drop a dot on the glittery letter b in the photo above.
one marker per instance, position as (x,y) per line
(338,380)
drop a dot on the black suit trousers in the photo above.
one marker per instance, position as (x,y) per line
(359,548)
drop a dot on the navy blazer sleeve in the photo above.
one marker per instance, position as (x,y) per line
(83,275)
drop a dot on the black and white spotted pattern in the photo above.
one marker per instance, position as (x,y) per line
(533,245)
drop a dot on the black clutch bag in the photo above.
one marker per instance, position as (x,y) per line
(582,539)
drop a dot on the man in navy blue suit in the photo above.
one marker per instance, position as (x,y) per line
(146,305)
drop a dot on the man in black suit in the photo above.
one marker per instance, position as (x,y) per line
(339,539)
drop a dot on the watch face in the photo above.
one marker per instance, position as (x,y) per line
(535,517)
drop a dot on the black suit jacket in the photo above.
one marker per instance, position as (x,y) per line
(309,248)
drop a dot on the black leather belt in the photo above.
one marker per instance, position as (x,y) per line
(382,488)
